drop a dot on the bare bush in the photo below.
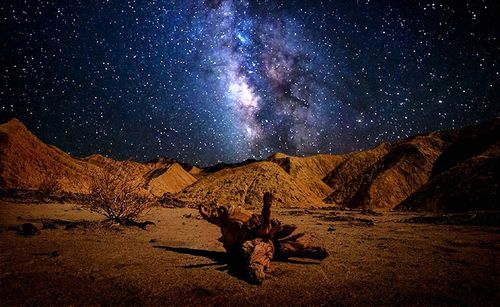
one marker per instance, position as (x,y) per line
(116,193)
(50,187)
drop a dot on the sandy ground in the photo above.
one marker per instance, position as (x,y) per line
(179,262)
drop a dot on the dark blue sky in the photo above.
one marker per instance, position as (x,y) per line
(204,81)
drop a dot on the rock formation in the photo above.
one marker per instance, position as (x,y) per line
(466,176)
(27,163)
(245,186)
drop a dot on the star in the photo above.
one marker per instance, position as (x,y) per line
(225,80)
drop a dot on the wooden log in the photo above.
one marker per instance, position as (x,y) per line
(266,213)
(289,248)
(258,254)
(254,240)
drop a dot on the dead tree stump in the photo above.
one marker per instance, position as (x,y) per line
(252,240)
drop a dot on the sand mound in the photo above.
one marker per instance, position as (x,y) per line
(171,179)
(466,176)
(195,170)
(245,185)
(309,170)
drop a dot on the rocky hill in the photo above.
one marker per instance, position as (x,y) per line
(27,163)
(439,171)
(169,179)
(466,176)
(309,170)
(245,185)
(162,161)
(221,166)
(386,175)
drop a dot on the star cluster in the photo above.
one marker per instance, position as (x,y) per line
(225,80)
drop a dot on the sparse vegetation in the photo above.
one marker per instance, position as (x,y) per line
(169,200)
(117,194)
(50,187)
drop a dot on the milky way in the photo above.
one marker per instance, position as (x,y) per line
(205,81)
(261,64)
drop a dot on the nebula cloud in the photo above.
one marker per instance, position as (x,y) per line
(241,96)
(206,81)
(290,82)
(261,68)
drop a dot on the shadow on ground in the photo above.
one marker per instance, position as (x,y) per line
(233,267)
(220,259)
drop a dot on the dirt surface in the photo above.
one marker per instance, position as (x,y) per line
(180,262)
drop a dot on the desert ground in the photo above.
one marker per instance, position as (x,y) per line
(179,261)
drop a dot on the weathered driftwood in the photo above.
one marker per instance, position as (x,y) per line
(252,240)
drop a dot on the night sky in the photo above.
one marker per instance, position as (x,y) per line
(227,80)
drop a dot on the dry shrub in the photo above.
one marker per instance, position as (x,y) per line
(116,193)
(50,187)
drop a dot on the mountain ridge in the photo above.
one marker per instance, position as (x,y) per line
(421,172)
(26,162)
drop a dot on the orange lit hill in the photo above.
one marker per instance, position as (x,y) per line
(454,170)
